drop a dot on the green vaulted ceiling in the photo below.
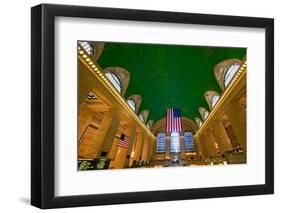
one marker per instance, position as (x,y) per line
(168,75)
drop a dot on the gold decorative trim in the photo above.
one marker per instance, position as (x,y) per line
(94,68)
(220,68)
(238,76)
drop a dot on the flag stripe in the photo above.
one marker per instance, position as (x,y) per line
(166,120)
(173,120)
(124,141)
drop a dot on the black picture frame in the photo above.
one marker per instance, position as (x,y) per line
(43,105)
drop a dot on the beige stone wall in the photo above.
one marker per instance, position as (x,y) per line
(223,133)
(102,120)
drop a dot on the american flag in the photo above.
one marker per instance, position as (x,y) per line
(124,141)
(173,120)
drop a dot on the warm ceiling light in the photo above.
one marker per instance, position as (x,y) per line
(84,56)
(81,52)
(87,59)
(90,63)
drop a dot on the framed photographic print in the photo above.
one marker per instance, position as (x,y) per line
(139,106)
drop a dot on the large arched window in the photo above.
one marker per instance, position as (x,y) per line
(206,114)
(161,143)
(214,100)
(198,122)
(132,104)
(188,142)
(149,124)
(230,73)
(175,142)
(203,112)
(141,117)
(114,79)
(225,71)
(87,46)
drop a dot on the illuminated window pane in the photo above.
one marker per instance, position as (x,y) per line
(141,117)
(132,104)
(113,78)
(188,142)
(87,46)
(214,100)
(206,114)
(161,143)
(175,142)
(230,73)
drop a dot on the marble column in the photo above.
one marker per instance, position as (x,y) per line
(198,147)
(213,149)
(84,119)
(182,148)
(222,137)
(153,149)
(105,132)
(139,146)
(150,149)
(113,149)
(86,141)
(204,145)
(110,135)
(145,150)
(130,150)
(168,140)
(122,153)
(237,117)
